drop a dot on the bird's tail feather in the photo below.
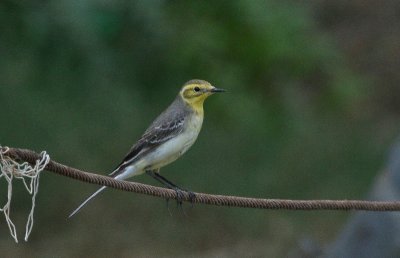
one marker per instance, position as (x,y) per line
(86,201)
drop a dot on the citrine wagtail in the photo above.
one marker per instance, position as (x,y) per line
(171,134)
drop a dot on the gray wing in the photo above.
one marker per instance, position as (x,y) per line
(164,128)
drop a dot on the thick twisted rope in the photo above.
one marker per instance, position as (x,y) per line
(219,200)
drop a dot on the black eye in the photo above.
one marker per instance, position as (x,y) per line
(196,89)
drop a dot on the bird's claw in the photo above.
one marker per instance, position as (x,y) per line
(179,196)
(192,197)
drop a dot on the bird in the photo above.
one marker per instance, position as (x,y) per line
(167,138)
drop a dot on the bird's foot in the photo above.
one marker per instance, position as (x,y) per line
(192,197)
(179,200)
(179,196)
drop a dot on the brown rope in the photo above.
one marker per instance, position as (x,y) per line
(219,200)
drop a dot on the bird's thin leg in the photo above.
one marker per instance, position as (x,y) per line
(192,195)
(154,174)
(169,182)
(161,179)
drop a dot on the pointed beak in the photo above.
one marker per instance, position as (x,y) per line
(214,90)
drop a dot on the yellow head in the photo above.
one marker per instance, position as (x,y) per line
(194,92)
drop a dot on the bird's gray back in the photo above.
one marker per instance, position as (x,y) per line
(166,126)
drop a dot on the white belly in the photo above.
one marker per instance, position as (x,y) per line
(174,148)
(170,151)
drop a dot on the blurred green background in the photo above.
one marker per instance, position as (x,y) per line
(311,110)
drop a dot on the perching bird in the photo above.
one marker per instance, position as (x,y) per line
(172,133)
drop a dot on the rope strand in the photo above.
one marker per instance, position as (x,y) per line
(202,198)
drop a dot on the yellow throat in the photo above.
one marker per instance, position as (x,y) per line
(194,93)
